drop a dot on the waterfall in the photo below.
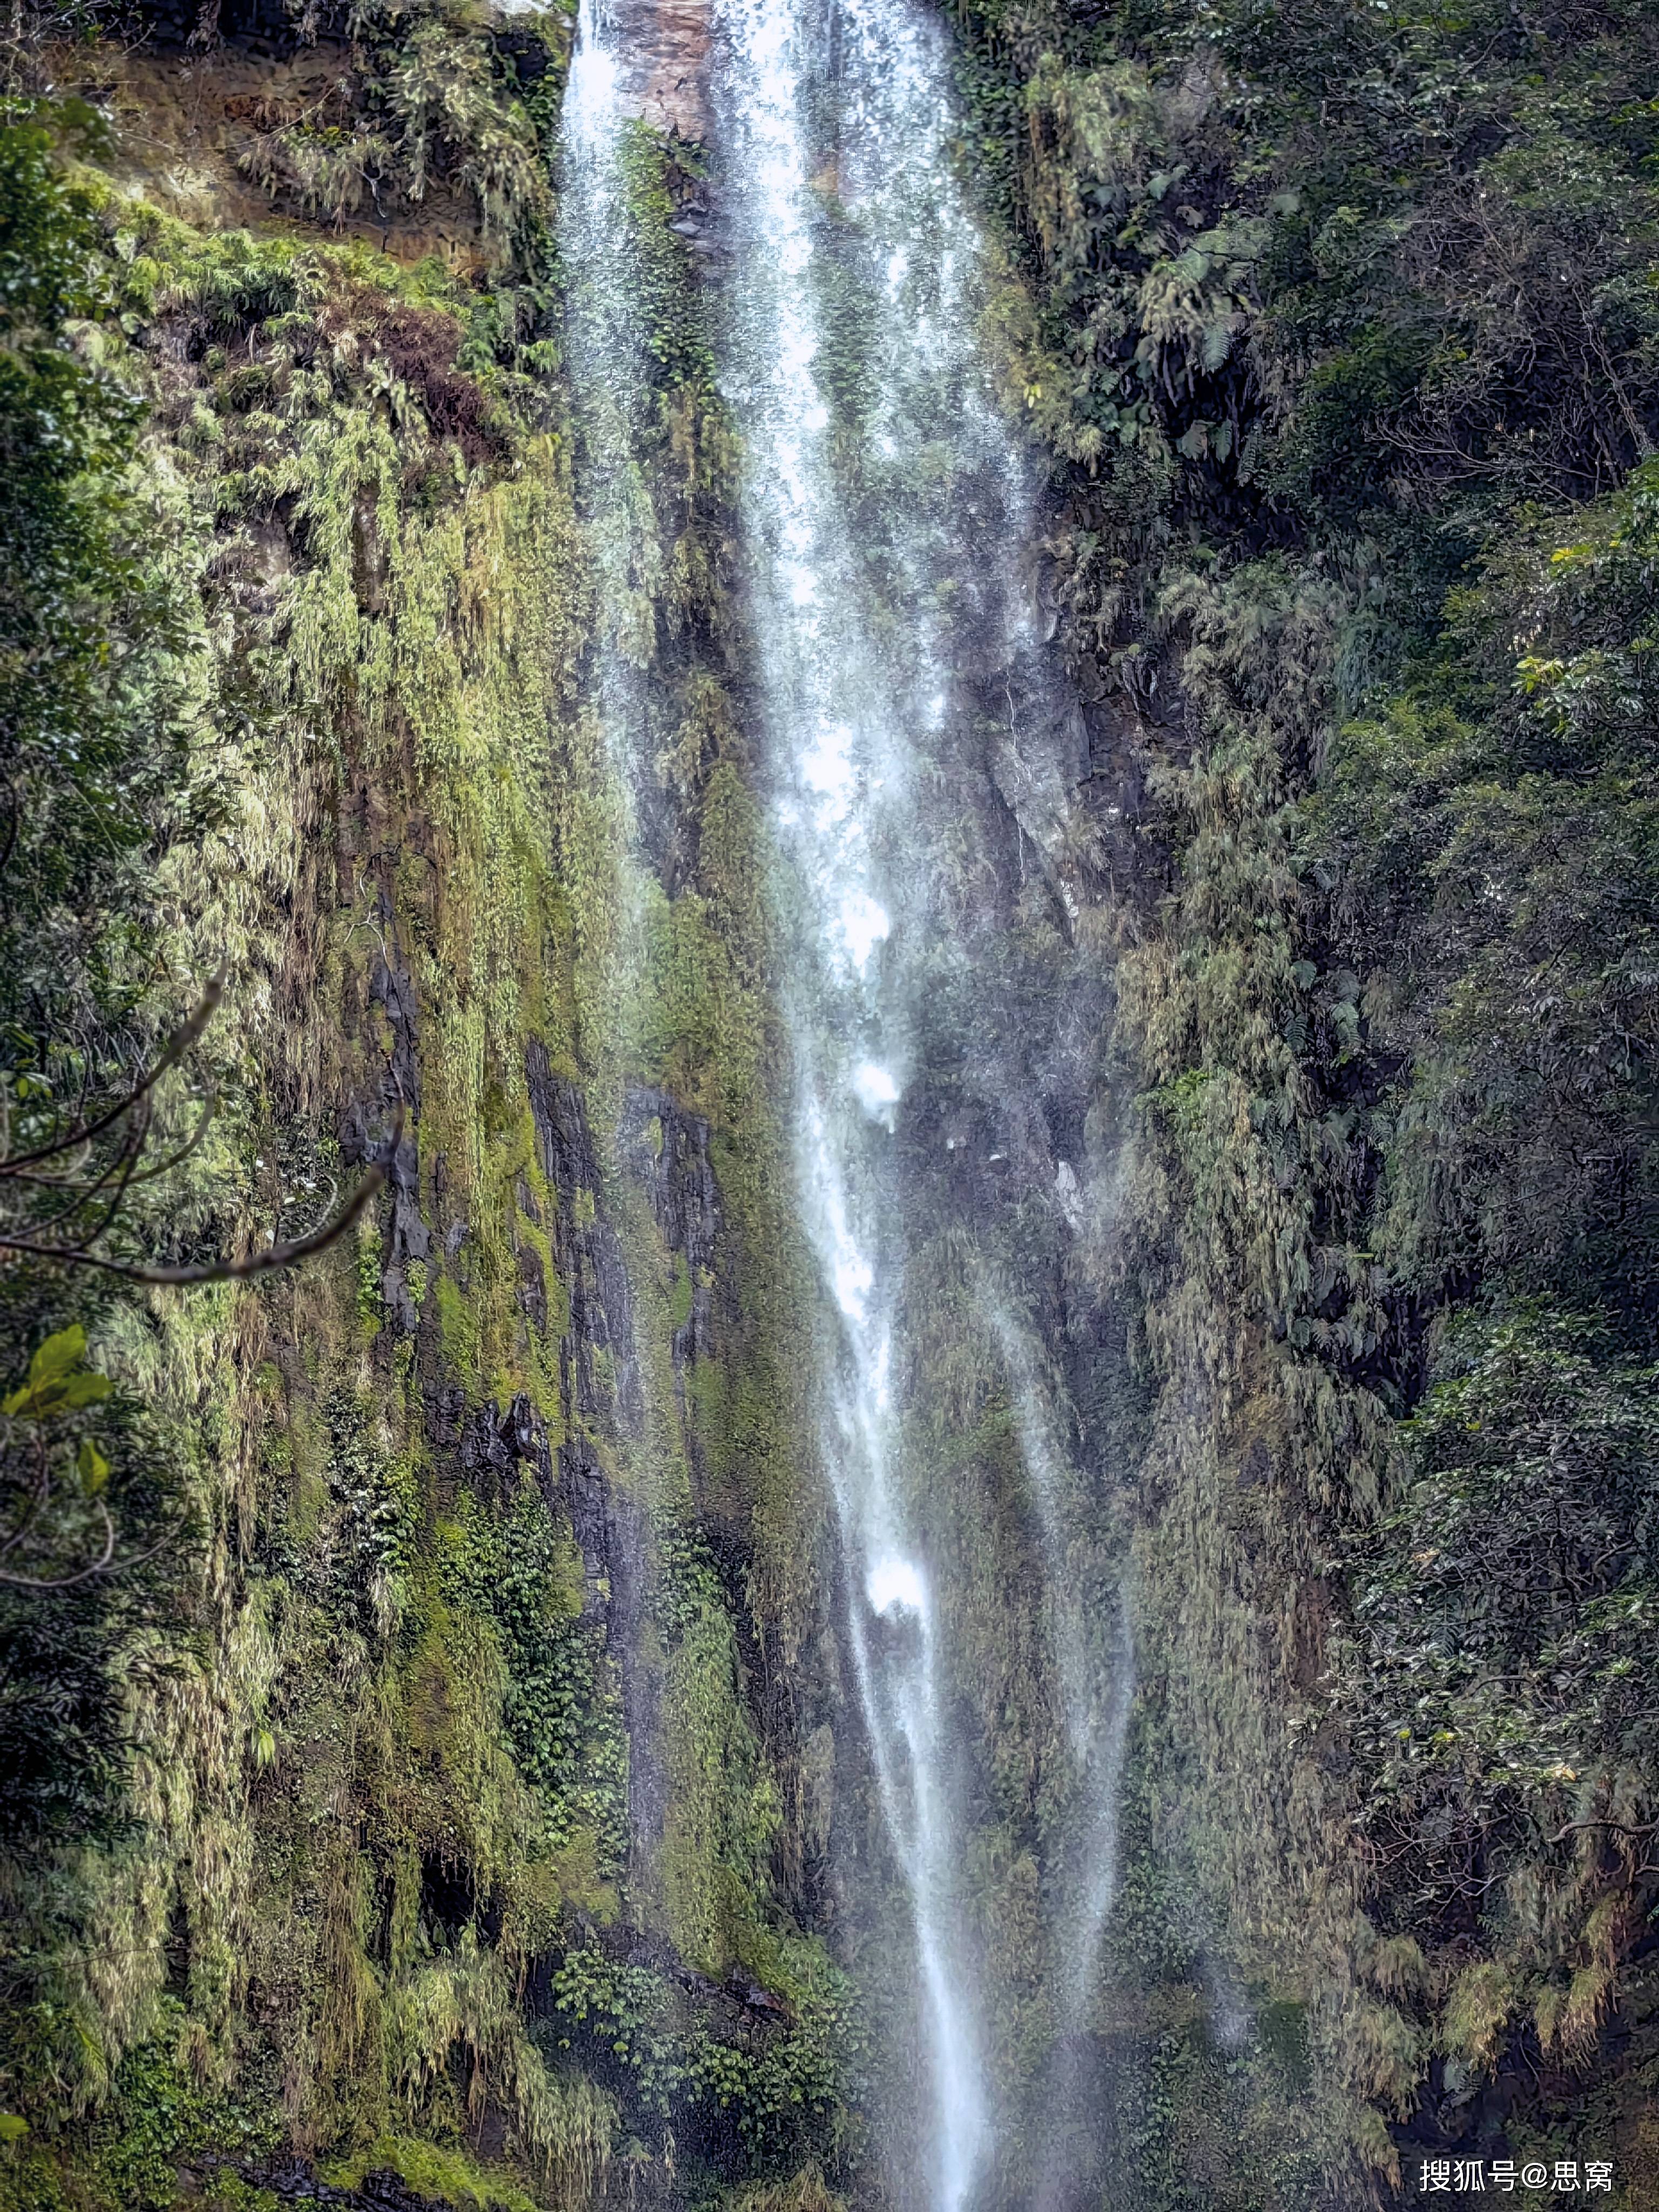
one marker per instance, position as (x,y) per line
(886,510)
(855,550)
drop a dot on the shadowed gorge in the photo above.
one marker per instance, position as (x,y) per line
(866,1421)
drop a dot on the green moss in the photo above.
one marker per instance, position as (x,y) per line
(228,2192)
(370,1264)
(670,307)
(461,1325)
(449,2175)
(395,1776)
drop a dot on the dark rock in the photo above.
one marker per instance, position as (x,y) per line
(292,2181)
(668,1149)
(588,1257)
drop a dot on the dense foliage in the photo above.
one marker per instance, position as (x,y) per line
(94,780)
(1342,329)
(84,773)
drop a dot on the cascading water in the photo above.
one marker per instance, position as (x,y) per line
(886,509)
(607,356)
(852,635)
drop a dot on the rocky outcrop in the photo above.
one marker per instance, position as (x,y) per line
(664,45)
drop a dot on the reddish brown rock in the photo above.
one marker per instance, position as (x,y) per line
(664,48)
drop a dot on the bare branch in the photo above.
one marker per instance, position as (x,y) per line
(121,1163)
(107,1564)
(83,1191)
(1621,1827)
(84,1574)
(274,1255)
(223,1271)
(178,1045)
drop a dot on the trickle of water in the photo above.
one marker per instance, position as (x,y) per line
(609,371)
(1089,1631)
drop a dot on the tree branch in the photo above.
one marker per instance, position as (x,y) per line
(221,1271)
(178,1045)
(84,1574)
(1622,1828)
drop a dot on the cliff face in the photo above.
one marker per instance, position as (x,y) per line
(493,1819)
(1320,509)
(485,1752)
(666,45)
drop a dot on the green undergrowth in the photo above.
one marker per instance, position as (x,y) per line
(763,2087)
(447,2176)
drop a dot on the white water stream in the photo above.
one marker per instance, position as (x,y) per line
(885,507)
(853,639)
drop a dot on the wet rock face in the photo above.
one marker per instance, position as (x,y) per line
(601,1398)
(664,46)
(603,1390)
(668,1149)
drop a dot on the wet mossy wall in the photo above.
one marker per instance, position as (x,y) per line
(474,1817)
(1320,518)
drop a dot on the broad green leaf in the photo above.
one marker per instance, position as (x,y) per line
(93,1467)
(59,1355)
(52,1386)
(81,1390)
